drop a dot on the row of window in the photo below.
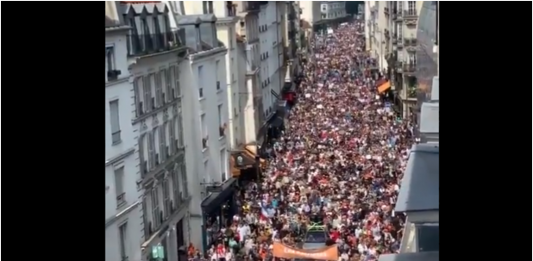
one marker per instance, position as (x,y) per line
(158,145)
(264,56)
(156,89)
(165,198)
(331,15)
(411,7)
(201,79)
(265,83)
(263,28)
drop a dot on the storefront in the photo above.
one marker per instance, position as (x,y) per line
(246,164)
(218,209)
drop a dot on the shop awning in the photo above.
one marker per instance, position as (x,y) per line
(384,87)
(216,199)
(253,150)
(241,160)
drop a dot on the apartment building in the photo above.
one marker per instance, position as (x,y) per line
(227,19)
(392,29)
(154,53)
(123,231)
(269,32)
(311,12)
(206,102)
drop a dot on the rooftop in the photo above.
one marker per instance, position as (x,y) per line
(420,185)
(421,256)
(429,117)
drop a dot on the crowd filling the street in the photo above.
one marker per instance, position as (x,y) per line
(333,170)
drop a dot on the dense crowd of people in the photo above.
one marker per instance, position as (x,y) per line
(338,162)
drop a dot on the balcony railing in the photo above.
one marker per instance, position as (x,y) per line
(143,44)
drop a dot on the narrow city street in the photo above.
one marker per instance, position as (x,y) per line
(334,172)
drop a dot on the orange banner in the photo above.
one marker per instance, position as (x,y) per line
(325,253)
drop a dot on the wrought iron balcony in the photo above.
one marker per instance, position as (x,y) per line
(387,33)
(143,44)
(386,11)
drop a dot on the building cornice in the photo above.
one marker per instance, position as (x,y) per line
(198,57)
(116,29)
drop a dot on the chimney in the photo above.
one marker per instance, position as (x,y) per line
(111,15)
(191,25)
(208,29)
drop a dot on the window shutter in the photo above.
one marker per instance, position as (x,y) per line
(151,150)
(147,94)
(179,120)
(172,135)
(162,143)
(170,83)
